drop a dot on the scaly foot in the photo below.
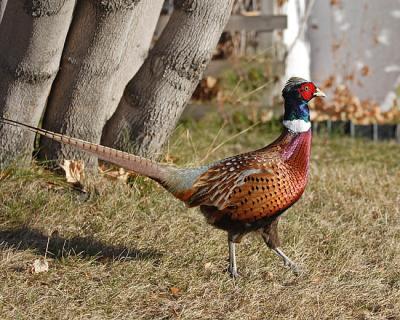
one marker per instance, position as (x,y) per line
(233,272)
(287,262)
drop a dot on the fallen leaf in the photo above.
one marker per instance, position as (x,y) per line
(39,265)
(120,174)
(175,291)
(269,275)
(208,266)
(74,170)
(170,158)
(316,279)
(4,175)
(281,3)
(266,116)
(365,71)
(349,77)
(211,81)
(328,83)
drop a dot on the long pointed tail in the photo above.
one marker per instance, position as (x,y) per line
(126,160)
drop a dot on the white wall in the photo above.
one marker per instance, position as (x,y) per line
(353,37)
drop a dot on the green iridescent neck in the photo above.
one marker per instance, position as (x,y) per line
(296,109)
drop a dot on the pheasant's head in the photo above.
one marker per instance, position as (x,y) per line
(297,93)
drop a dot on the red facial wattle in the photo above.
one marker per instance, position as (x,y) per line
(307,91)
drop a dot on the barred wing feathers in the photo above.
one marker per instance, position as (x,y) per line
(247,187)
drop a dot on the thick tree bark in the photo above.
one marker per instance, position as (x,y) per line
(155,98)
(94,69)
(137,47)
(32,36)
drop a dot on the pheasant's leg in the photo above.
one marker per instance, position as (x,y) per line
(286,261)
(271,238)
(232,269)
(232,240)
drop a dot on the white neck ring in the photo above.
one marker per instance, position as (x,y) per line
(297,125)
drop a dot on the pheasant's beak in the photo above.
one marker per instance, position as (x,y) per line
(319,93)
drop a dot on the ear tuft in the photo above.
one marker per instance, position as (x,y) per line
(291,83)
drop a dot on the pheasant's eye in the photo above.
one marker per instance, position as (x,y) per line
(306,88)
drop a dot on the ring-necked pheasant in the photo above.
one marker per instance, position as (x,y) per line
(240,194)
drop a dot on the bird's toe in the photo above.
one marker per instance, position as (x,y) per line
(295,269)
(233,273)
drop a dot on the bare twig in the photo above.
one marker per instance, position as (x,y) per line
(253,91)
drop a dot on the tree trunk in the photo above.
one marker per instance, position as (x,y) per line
(32,36)
(3,4)
(137,47)
(155,98)
(94,71)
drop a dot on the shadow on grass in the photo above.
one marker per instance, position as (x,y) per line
(58,247)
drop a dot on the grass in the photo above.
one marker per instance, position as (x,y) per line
(134,252)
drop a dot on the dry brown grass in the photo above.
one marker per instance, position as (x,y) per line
(134,252)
